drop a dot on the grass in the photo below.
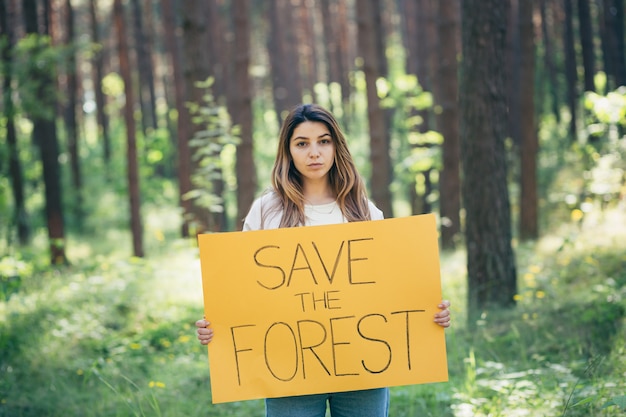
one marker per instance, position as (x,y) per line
(113,336)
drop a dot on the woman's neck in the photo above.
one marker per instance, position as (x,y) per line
(317,193)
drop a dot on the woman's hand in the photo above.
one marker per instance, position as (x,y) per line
(443,317)
(205,334)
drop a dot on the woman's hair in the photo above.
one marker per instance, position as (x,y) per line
(345,181)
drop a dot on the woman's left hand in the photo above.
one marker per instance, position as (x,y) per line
(442,318)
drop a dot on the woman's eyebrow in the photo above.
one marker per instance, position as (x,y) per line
(305,137)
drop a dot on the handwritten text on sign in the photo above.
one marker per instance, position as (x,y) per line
(323,309)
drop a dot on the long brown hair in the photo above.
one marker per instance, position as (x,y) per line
(345,181)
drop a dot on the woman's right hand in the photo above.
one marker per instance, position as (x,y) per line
(205,334)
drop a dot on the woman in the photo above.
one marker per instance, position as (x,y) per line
(315,182)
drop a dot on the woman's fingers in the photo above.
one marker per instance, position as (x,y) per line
(205,334)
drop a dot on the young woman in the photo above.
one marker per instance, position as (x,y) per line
(315,182)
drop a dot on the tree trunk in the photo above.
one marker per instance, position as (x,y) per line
(147,95)
(528,133)
(490,258)
(70,117)
(20,217)
(101,115)
(586,40)
(613,19)
(183,123)
(450,181)
(45,137)
(133,171)
(379,151)
(242,101)
(287,92)
(218,56)
(196,69)
(513,63)
(549,62)
(570,69)
(427,60)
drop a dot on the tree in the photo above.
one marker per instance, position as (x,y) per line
(131,155)
(379,135)
(570,68)
(528,133)
(548,56)
(101,115)
(448,122)
(586,40)
(196,68)
(490,259)
(612,23)
(7,36)
(183,121)
(70,114)
(44,130)
(241,101)
(147,94)
(287,90)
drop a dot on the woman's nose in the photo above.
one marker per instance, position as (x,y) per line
(314,151)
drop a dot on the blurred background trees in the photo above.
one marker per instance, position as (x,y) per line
(107,114)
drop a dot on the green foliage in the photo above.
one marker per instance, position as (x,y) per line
(35,60)
(208,145)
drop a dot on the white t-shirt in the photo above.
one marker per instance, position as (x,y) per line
(265,214)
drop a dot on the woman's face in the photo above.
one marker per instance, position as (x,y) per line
(313,151)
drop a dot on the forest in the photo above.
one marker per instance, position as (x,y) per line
(128,127)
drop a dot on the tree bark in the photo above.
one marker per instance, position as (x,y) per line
(586,40)
(183,122)
(490,258)
(287,91)
(196,68)
(529,144)
(379,151)
(20,217)
(613,19)
(45,137)
(548,56)
(242,101)
(70,117)
(101,115)
(147,94)
(133,171)
(570,69)
(450,181)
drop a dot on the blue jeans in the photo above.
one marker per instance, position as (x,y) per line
(365,403)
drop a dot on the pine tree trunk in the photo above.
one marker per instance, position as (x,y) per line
(570,69)
(101,115)
(45,137)
(20,217)
(70,117)
(183,122)
(483,103)
(132,167)
(242,101)
(549,62)
(450,181)
(196,68)
(379,151)
(586,40)
(529,144)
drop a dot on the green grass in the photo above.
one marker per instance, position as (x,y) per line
(114,336)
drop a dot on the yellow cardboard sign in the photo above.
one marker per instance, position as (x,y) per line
(323,308)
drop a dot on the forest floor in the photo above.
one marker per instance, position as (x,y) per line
(111,335)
